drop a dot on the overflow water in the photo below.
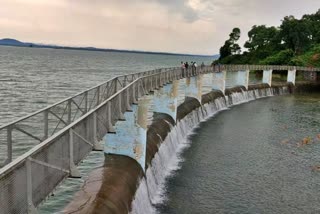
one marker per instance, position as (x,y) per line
(251,159)
(152,195)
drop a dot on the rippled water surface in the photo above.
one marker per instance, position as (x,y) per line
(32,78)
(251,159)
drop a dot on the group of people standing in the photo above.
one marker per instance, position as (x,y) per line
(193,66)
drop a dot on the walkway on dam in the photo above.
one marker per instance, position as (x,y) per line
(61,135)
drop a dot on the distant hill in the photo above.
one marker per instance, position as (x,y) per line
(14,42)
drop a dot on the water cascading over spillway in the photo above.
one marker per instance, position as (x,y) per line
(152,187)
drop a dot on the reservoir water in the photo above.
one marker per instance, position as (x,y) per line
(258,157)
(33,78)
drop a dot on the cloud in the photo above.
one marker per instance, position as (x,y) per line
(190,26)
(189,13)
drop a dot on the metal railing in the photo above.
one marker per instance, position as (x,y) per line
(263,67)
(30,178)
(86,118)
(21,135)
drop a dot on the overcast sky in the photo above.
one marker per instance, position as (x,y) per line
(183,26)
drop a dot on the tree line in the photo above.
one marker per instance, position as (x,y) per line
(294,42)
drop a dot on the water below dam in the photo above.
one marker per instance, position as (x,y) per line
(257,157)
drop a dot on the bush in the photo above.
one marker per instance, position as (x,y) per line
(281,58)
(310,58)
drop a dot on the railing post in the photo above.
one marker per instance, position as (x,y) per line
(98,95)
(163,79)
(110,126)
(116,85)
(96,145)
(128,104)
(166,76)
(9,144)
(160,81)
(74,172)
(140,84)
(151,85)
(121,116)
(124,82)
(145,86)
(31,207)
(46,124)
(171,74)
(134,87)
(86,102)
(156,81)
(69,111)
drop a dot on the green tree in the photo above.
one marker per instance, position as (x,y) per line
(225,50)
(295,42)
(230,46)
(263,38)
(313,23)
(295,34)
(234,36)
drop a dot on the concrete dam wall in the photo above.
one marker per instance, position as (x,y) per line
(124,186)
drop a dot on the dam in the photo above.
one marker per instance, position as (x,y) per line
(136,120)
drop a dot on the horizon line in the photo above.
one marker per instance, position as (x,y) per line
(90,48)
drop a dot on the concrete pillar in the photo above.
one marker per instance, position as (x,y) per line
(166,99)
(219,81)
(267,77)
(193,87)
(243,78)
(207,80)
(131,135)
(292,76)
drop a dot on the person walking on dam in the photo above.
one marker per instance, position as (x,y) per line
(182,68)
(186,65)
(195,68)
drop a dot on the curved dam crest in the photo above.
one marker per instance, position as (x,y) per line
(191,115)
(128,188)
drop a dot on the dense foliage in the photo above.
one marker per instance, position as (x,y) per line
(294,42)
